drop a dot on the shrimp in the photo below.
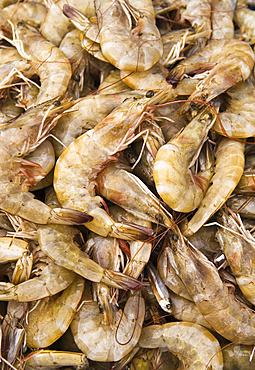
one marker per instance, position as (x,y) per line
(51,64)
(194,345)
(102,342)
(222,19)
(55,313)
(52,280)
(228,316)
(237,121)
(58,243)
(18,139)
(80,163)
(49,359)
(229,168)
(229,62)
(136,49)
(238,247)
(176,184)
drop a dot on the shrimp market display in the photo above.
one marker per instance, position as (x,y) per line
(127,184)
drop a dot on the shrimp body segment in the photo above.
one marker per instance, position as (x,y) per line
(195,346)
(135,49)
(182,190)
(78,166)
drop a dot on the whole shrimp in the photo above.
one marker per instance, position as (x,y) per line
(228,316)
(102,342)
(50,63)
(134,49)
(229,168)
(229,62)
(56,312)
(80,163)
(238,247)
(195,346)
(182,190)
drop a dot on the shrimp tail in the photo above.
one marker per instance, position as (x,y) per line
(132,231)
(67,216)
(121,281)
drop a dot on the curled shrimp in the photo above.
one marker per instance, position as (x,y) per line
(102,342)
(176,184)
(229,168)
(194,345)
(229,62)
(80,163)
(50,63)
(134,49)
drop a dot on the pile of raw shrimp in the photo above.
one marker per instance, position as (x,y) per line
(127,177)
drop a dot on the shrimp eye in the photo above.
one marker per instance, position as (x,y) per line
(57,103)
(76,78)
(174,237)
(168,306)
(150,94)
(210,115)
